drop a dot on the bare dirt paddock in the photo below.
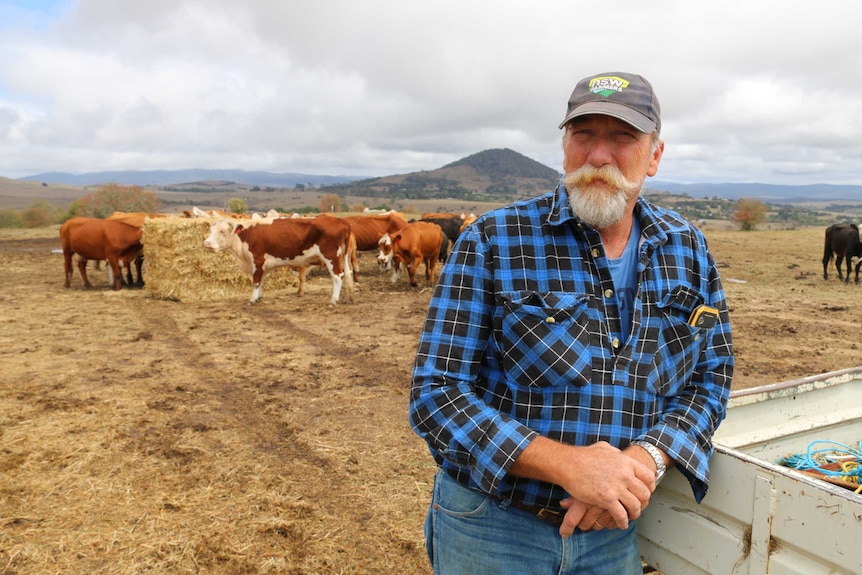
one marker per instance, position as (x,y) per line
(147,436)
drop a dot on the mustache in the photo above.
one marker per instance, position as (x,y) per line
(587,176)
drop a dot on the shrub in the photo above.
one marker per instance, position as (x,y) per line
(39,214)
(749,213)
(112,198)
(330,203)
(237,206)
(10,218)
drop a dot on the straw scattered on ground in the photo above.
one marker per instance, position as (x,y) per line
(141,434)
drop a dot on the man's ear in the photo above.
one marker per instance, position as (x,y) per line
(655,159)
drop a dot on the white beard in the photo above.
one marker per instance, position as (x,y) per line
(593,203)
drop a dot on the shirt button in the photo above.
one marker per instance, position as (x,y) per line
(550,320)
(609,293)
(616,343)
(595,252)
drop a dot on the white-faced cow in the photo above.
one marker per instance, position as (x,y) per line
(842,241)
(295,242)
(96,239)
(411,245)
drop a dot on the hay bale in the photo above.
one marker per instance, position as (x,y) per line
(179,268)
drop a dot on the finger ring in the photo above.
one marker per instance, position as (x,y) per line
(599,525)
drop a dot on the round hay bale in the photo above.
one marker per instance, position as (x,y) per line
(179,268)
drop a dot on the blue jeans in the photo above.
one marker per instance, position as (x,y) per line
(468,533)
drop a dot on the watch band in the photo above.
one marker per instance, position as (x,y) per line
(660,467)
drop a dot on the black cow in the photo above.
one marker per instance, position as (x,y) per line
(843,241)
(451,227)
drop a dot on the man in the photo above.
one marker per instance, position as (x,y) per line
(577,344)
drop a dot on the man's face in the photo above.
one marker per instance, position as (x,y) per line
(606,162)
(601,140)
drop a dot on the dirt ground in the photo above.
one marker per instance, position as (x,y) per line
(141,435)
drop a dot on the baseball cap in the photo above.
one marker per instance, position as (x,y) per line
(628,97)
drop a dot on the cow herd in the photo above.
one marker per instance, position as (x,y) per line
(261,243)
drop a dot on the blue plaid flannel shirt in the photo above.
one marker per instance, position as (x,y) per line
(519,341)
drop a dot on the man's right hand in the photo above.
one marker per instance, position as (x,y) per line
(598,478)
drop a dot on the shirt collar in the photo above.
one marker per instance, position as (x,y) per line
(561,212)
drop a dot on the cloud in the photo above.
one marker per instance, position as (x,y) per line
(748,90)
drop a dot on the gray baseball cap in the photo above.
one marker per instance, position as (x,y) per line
(628,97)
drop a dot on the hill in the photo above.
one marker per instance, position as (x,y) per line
(17,194)
(498,175)
(475,183)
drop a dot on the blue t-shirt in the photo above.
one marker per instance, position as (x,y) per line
(624,272)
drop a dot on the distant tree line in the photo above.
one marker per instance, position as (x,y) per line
(748,213)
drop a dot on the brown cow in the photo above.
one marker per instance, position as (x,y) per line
(414,243)
(295,242)
(368,230)
(431,215)
(95,239)
(134,219)
(451,226)
(125,262)
(467,221)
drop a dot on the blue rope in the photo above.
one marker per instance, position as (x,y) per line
(817,458)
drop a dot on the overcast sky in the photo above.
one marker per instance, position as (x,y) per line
(751,91)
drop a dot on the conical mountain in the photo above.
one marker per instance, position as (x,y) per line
(490,175)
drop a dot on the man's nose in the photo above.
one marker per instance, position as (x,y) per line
(601,152)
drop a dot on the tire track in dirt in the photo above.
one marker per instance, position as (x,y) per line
(353,380)
(209,378)
(277,408)
(340,351)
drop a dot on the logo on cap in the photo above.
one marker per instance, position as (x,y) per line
(607,85)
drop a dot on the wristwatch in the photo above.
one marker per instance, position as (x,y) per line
(660,467)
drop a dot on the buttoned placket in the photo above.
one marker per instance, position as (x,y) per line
(608,295)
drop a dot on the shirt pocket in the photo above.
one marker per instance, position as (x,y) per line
(545,338)
(679,343)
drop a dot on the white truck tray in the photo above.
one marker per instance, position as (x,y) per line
(760,517)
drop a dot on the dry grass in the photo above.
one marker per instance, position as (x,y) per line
(788,322)
(139,434)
